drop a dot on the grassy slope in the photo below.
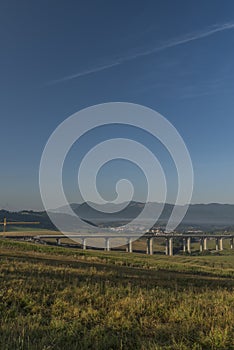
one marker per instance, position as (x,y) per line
(57,298)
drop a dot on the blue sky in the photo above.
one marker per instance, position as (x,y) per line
(58,57)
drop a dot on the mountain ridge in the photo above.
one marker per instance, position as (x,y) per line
(198,215)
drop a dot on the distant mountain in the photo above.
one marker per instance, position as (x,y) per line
(213,213)
(41,217)
(206,216)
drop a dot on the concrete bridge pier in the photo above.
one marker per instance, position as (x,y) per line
(184,245)
(205,243)
(149,249)
(84,246)
(129,245)
(201,245)
(216,244)
(221,243)
(58,241)
(170,251)
(231,243)
(189,245)
(107,244)
(167,246)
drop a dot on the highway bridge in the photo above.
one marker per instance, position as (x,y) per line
(169,238)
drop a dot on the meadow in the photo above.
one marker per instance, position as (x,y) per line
(60,298)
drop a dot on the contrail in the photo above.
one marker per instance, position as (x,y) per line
(173,43)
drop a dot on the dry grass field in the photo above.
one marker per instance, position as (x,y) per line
(60,298)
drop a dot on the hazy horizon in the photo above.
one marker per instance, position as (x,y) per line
(54,209)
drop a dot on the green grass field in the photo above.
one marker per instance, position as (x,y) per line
(58,298)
